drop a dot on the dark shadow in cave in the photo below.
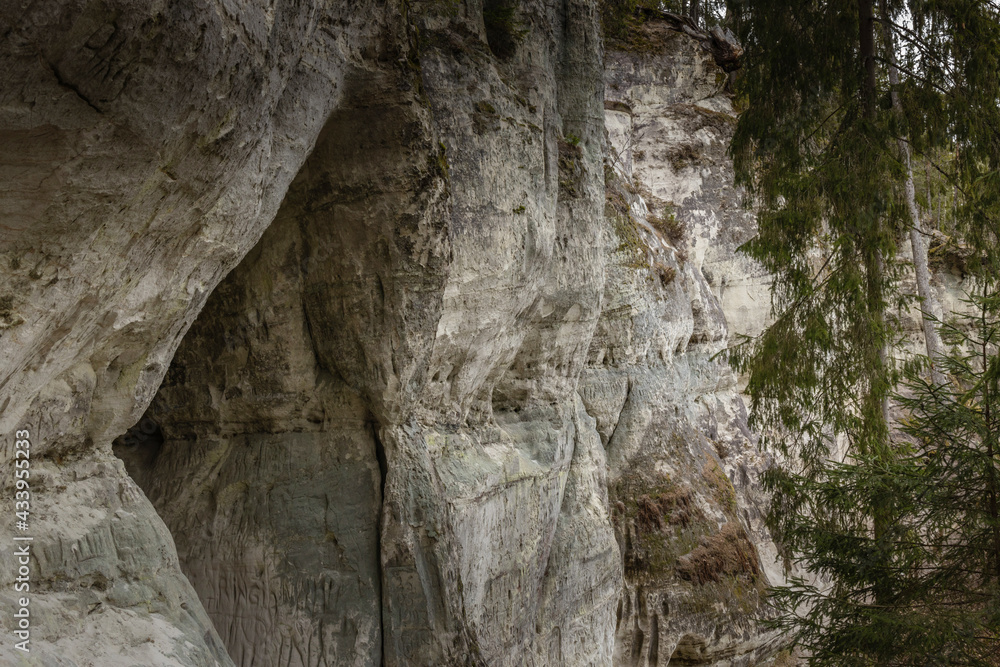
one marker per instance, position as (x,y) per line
(262,460)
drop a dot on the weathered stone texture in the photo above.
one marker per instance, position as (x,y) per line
(683,466)
(423,300)
(450,408)
(144,149)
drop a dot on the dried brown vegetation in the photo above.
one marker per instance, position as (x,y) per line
(726,553)
(666,273)
(673,507)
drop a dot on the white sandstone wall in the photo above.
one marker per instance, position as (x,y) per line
(455,407)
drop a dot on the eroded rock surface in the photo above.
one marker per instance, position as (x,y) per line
(144,149)
(455,407)
(683,467)
(384,391)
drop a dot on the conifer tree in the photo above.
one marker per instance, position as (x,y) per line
(954,468)
(814,148)
(818,149)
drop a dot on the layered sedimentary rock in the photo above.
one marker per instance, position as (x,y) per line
(683,468)
(144,149)
(384,391)
(456,406)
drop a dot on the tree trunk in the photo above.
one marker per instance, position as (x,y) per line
(879,449)
(874,266)
(928,304)
(866,42)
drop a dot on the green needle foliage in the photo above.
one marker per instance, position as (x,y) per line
(954,464)
(817,149)
(926,591)
(816,154)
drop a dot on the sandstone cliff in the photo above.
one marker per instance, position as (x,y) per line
(411,316)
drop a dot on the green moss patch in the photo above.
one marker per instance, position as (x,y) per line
(719,484)
(632,247)
(655,525)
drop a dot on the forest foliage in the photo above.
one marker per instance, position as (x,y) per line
(867,132)
(886,495)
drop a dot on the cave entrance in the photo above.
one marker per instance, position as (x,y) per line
(263,465)
(262,460)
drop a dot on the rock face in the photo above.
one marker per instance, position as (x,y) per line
(457,404)
(385,390)
(144,149)
(683,468)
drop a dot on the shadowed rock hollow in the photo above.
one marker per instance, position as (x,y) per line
(414,313)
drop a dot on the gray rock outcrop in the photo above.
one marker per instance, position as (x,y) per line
(145,148)
(683,466)
(404,324)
